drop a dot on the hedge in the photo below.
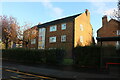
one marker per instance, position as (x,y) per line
(27,55)
(87,56)
(91,55)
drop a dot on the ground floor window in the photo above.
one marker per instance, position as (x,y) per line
(52,39)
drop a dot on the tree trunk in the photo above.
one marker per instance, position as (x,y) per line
(6,44)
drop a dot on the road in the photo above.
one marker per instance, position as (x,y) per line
(18,75)
(13,70)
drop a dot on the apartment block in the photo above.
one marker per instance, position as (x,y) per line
(66,33)
(109,28)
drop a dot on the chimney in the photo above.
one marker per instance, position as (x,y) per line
(87,14)
(86,11)
(104,20)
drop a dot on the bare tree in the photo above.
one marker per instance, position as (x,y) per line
(116,12)
(119,10)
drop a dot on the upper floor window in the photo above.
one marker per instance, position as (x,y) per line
(52,39)
(63,26)
(41,30)
(63,38)
(81,27)
(33,41)
(81,39)
(53,28)
(118,32)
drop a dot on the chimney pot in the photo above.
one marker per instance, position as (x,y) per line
(104,20)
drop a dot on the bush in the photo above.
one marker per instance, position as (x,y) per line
(55,56)
(87,56)
(68,61)
(42,56)
(91,55)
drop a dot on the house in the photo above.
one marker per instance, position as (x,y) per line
(109,28)
(30,38)
(66,33)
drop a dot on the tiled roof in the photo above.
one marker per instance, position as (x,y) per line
(62,20)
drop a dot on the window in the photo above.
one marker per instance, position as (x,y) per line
(53,28)
(118,32)
(118,45)
(33,41)
(63,38)
(63,26)
(81,39)
(40,38)
(52,39)
(81,27)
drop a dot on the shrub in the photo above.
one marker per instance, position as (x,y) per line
(68,61)
(33,56)
(91,55)
(55,56)
(87,56)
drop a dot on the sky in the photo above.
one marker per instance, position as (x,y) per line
(41,12)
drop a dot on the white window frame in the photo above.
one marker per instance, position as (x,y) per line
(63,26)
(118,32)
(33,41)
(63,38)
(81,39)
(52,41)
(81,27)
(51,28)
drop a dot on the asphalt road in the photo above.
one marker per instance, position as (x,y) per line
(18,75)
(14,71)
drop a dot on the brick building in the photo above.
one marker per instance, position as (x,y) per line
(109,28)
(66,33)
(30,38)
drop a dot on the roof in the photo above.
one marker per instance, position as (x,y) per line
(34,27)
(62,20)
(116,38)
(109,22)
(116,20)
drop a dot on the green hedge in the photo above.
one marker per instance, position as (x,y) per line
(42,56)
(87,56)
(91,55)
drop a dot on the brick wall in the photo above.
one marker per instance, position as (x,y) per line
(58,44)
(28,36)
(83,29)
(109,29)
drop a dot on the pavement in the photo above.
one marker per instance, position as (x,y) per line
(59,74)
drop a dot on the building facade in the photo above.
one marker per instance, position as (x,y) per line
(66,33)
(30,38)
(109,28)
